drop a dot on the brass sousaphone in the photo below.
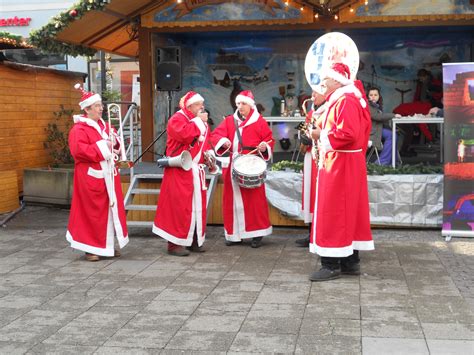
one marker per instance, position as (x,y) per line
(330,48)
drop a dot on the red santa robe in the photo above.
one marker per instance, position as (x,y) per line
(341,222)
(245,210)
(97,209)
(310,171)
(182,202)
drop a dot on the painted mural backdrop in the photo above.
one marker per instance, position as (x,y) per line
(271,64)
(414,8)
(458,209)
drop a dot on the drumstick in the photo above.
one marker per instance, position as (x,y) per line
(253,151)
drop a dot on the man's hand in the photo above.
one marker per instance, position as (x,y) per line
(226,145)
(433,111)
(262,147)
(203,116)
(315,133)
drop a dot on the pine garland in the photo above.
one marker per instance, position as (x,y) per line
(372,169)
(10,40)
(45,37)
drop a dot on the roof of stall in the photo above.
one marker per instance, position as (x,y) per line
(113,25)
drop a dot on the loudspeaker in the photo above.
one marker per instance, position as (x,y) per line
(168,69)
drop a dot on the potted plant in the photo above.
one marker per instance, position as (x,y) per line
(53,184)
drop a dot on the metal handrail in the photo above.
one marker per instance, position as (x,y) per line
(132,122)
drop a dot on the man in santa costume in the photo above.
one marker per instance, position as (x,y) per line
(97,211)
(341,221)
(181,213)
(245,210)
(310,170)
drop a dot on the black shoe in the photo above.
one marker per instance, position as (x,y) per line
(179,252)
(350,269)
(256,242)
(303,242)
(230,243)
(325,274)
(195,249)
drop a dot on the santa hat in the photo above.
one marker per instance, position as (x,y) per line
(247,97)
(190,98)
(339,72)
(88,98)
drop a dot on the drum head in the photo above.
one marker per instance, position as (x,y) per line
(249,165)
(333,47)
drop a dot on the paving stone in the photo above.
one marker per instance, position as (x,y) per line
(78,334)
(391,329)
(451,331)
(284,293)
(52,349)
(215,321)
(191,341)
(450,347)
(344,309)
(393,346)
(13,348)
(136,338)
(114,350)
(263,343)
(389,314)
(274,318)
(310,344)
(330,327)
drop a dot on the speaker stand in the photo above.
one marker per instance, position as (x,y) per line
(169,105)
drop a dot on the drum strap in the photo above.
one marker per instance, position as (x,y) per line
(239,137)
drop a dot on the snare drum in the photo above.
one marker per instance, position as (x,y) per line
(249,171)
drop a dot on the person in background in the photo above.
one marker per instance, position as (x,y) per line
(97,214)
(245,210)
(310,166)
(341,219)
(381,130)
(181,212)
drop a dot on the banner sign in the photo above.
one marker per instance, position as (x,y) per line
(458,205)
(220,12)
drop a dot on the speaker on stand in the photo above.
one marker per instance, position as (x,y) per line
(168,71)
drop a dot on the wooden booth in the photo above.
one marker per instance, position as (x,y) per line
(220,47)
(29,97)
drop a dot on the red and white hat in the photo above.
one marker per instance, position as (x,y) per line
(247,97)
(88,98)
(190,98)
(339,72)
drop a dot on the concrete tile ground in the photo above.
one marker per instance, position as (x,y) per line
(415,296)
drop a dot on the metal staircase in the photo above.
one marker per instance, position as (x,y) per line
(129,129)
(135,189)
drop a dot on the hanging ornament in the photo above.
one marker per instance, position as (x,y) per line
(73,13)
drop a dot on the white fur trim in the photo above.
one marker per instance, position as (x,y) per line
(325,144)
(104,149)
(330,73)
(90,101)
(307,168)
(194,99)
(245,99)
(200,124)
(348,89)
(341,252)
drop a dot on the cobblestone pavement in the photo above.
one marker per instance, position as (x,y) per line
(415,296)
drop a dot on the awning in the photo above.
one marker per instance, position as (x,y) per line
(113,25)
